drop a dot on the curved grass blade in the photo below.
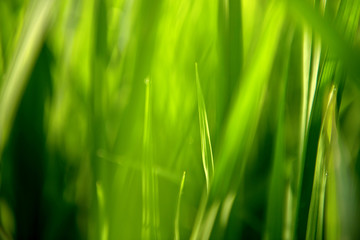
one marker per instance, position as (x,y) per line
(206,150)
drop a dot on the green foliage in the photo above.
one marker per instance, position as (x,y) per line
(102,113)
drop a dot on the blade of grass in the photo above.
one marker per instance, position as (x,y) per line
(311,65)
(15,79)
(306,58)
(310,151)
(146,217)
(276,200)
(332,218)
(97,20)
(316,210)
(231,43)
(150,217)
(177,216)
(1,61)
(206,149)
(344,189)
(307,44)
(104,226)
(315,63)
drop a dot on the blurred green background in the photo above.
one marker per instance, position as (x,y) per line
(179,119)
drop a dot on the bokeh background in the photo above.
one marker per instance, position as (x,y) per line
(179,119)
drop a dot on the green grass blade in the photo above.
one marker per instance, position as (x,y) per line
(276,200)
(316,210)
(314,75)
(16,76)
(103,221)
(177,216)
(150,217)
(311,149)
(146,211)
(231,42)
(307,45)
(1,61)
(206,149)
(332,218)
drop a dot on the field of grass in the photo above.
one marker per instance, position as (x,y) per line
(179,119)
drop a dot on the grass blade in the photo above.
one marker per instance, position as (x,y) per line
(206,150)
(16,76)
(177,216)
(150,217)
(276,200)
(104,226)
(311,149)
(316,210)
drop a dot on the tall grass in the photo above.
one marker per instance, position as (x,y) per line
(102,113)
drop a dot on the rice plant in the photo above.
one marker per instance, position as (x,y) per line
(179,119)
